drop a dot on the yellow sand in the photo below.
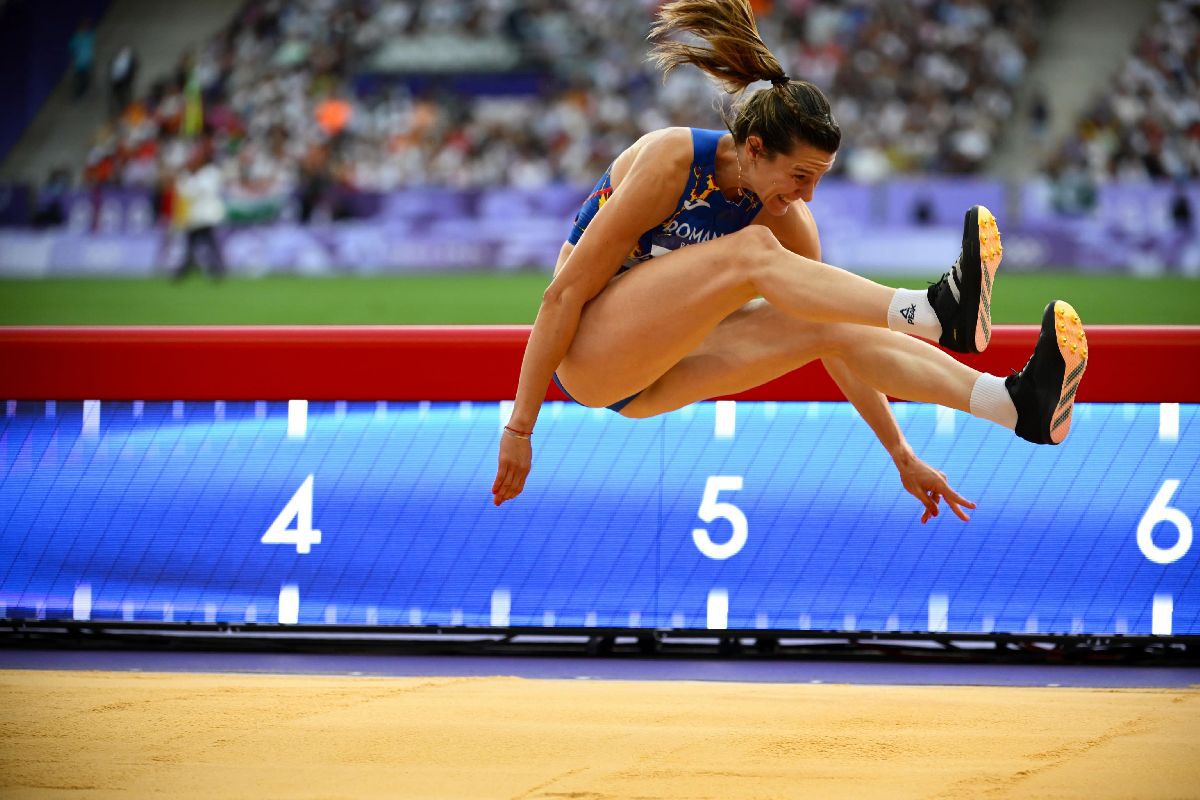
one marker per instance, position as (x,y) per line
(97,734)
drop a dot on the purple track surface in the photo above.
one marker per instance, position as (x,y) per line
(634,669)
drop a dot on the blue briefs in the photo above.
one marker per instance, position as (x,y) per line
(617,406)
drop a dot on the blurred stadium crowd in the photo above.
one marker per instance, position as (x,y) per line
(291,96)
(463,134)
(1148,124)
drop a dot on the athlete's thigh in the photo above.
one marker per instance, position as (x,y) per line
(650,317)
(755,344)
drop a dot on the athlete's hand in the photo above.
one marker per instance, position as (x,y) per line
(930,487)
(515,457)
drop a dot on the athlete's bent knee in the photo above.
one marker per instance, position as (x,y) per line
(753,248)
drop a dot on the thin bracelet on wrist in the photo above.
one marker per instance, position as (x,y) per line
(516,434)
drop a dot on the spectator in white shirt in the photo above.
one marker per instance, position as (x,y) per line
(199,191)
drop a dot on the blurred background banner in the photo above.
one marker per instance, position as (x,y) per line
(394,136)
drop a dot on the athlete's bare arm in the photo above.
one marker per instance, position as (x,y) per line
(645,190)
(797,231)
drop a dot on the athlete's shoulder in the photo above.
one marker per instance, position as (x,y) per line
(672,145)
(657,156)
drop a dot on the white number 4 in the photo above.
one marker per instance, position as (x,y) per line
(711,510)
(298,508)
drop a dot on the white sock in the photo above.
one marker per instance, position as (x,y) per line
(990,400)
(910,312)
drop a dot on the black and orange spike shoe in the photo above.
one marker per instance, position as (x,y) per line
(1044,391)
(965,308)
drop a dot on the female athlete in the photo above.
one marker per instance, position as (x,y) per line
(693,271)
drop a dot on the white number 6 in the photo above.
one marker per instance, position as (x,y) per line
(710,510)
(1160,511)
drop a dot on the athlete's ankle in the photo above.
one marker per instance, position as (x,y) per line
(990,400)
(910,312)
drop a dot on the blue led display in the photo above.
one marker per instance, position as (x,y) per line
(776,515)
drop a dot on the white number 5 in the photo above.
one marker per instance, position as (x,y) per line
(298,508)
(710,510)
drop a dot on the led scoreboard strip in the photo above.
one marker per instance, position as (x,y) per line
(342,476)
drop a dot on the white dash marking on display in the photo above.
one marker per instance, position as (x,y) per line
(1168,422)
(1076,624)
(548,619)
(91,419)
(506,409)
(677,620)
(726,419)
(635,619)
(989,624)
(372,615)
(168,612)
(770,409)
(556,408)
(297,424)
(589,619)
(331,614)
(893,623)
(260,409)
(210,612)
(688,412)
(414,616)
(456,616)
(381,409)
(717,615)
(177,409)
(760,621)
(251,613)
(127,611)
(939,612)
(849,622)
(51,409)
(81,602)
(501,607)
(289,604)
(139,407)
(1122,625)
(1161,614)
(465,409)
(813,409)
(423,409)
(339,409)
(10,408)
(219,410)
(945,421)
(1031,624)
(804,622)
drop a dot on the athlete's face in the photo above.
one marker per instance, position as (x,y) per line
(783,178)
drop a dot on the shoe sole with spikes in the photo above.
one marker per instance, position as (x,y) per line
(967,321)
(1072,346)
(1044,391)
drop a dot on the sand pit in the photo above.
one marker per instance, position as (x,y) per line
(107,734)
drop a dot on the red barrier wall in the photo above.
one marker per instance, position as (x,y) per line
(1127,364)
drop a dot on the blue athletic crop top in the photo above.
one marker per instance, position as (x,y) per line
(702,212)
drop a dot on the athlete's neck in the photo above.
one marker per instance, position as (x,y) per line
(729,171)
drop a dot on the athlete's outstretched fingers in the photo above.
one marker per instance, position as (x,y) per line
(955,501)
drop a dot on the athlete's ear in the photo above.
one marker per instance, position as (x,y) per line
(754,145)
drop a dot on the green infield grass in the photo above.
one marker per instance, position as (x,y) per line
(493,298)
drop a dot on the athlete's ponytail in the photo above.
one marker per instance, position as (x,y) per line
(734,55)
